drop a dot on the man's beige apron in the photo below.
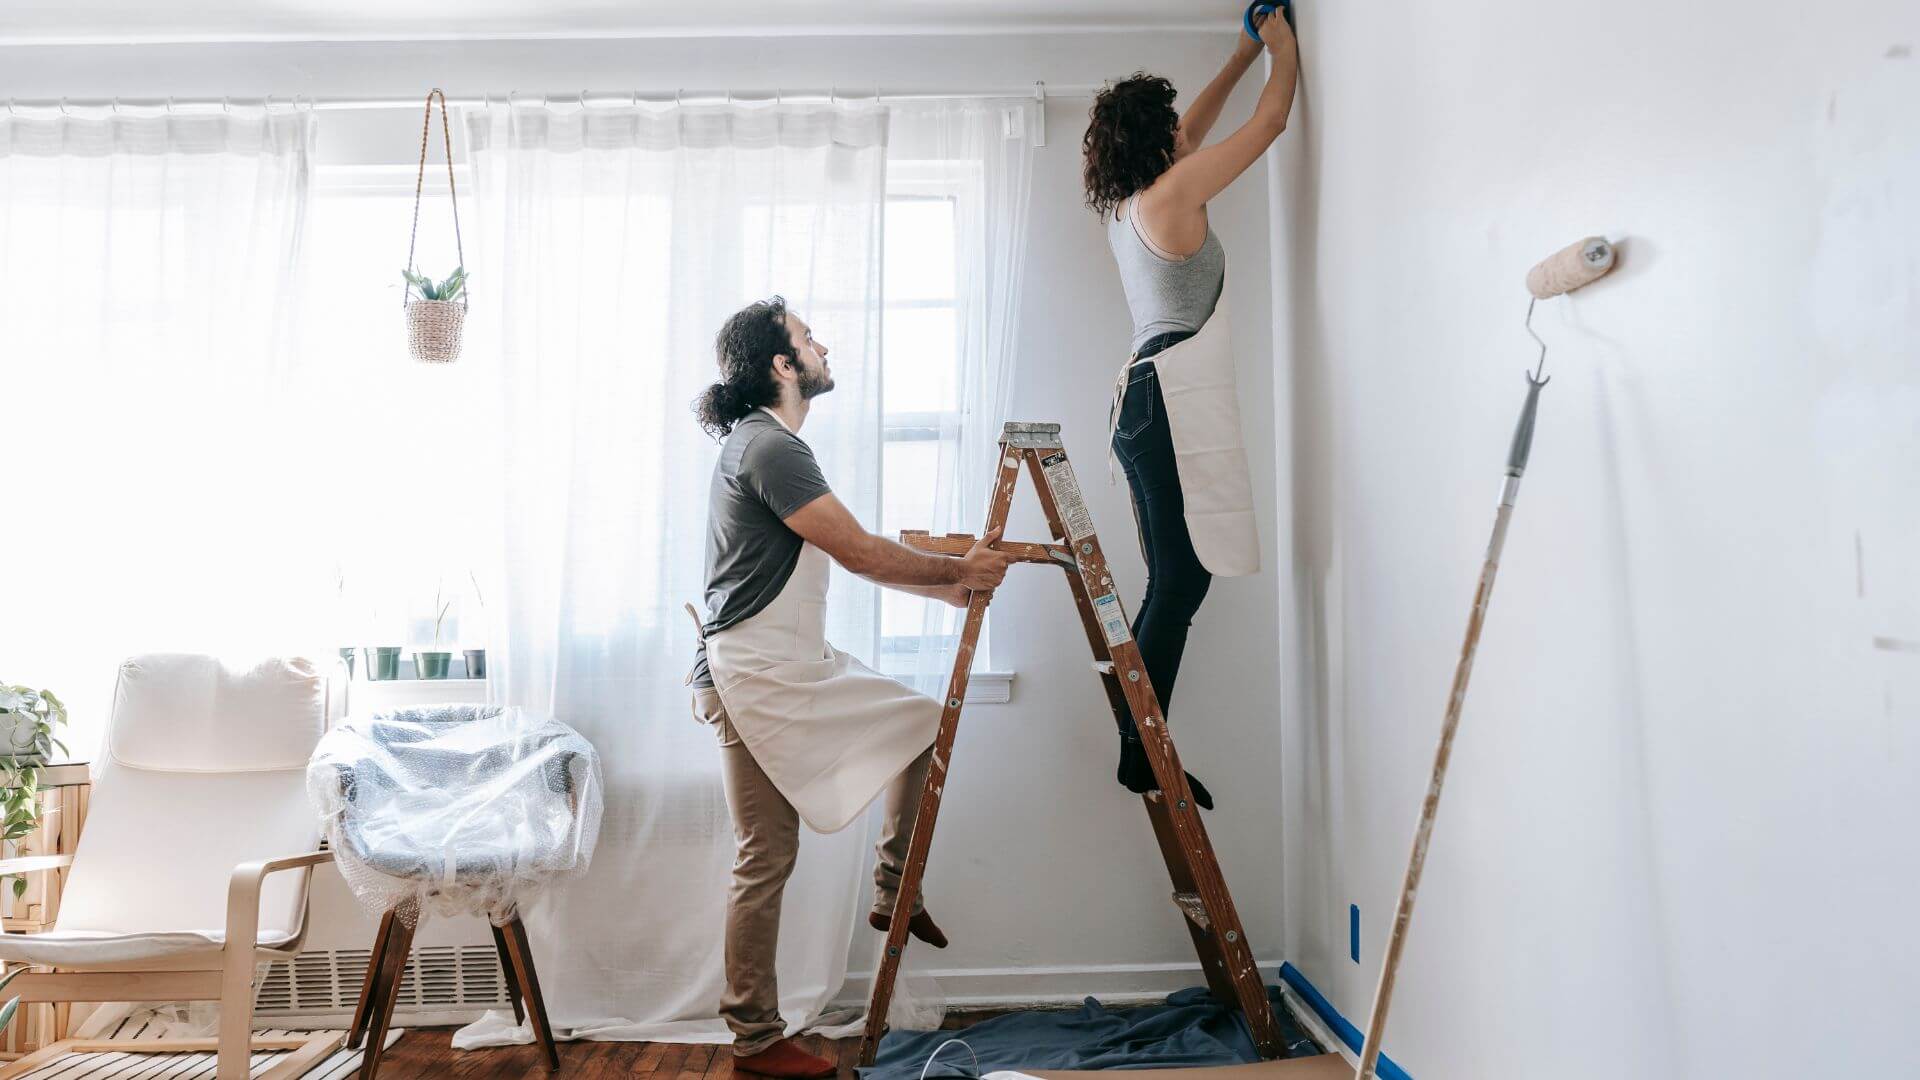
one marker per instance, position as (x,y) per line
(1203,410)
(827,730)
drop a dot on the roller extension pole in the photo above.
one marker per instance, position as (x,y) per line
(1430,808)
(1565,270)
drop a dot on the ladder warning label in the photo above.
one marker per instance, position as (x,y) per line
(1066,495)
(1113,622)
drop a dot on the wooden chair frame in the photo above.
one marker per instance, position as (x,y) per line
(226,975)
(387,964)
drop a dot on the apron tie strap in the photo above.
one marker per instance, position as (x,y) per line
(699,632)
(1120,383)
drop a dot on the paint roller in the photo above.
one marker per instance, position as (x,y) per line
(1560,273)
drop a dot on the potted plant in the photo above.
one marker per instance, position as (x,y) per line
(383,663)
(435,320)
(477,658)
(434,663)
(27,720)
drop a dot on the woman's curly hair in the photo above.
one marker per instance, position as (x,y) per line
(744,349)
(1130,138)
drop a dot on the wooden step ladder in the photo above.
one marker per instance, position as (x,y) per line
(1199,889)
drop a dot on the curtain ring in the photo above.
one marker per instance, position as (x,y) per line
(226,106)
(677,103)
(63,107)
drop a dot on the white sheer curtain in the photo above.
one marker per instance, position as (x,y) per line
(608,245)
(980,155)
(155,497)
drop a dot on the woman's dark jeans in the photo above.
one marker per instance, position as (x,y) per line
(1176,580)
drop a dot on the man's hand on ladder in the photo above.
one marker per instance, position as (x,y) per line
(982,569)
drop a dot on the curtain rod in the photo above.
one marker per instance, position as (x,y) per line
(1040,92)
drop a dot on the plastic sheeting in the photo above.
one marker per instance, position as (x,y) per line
(456,809)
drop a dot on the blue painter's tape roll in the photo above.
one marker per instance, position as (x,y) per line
(1266,7)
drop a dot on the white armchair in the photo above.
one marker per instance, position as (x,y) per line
(175,892)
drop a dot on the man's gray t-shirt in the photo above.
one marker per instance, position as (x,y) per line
(764,474)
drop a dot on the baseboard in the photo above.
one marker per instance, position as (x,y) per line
(1335,1023)
(1009,987)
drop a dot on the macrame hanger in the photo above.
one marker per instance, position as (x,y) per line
(419,186)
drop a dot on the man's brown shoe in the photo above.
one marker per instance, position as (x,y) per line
(787,1061)
(920,926)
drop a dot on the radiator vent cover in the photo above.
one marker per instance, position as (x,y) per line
(438,977)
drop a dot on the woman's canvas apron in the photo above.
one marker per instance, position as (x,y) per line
(1202,397)
(827,730)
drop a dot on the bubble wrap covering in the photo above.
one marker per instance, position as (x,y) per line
(460,809)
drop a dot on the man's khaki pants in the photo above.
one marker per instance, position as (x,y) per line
(766,832)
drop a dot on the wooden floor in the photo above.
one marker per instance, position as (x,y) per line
(429,1052)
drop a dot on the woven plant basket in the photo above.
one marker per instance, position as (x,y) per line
(433,329)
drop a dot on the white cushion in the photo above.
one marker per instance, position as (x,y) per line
(186,713)
(84,949)
(159,850)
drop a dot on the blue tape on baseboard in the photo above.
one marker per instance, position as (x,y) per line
(1329,1015)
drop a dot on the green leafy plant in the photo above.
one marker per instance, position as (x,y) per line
(13,1003)
(28,717)
(450,289)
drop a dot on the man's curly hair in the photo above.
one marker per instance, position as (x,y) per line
(744,349)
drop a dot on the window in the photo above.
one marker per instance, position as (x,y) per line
(414,455)
(920,350)
(408,452)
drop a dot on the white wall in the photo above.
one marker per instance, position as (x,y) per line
(1678,835)
(1045,872)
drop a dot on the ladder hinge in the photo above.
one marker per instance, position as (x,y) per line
(1022,434)
(1193,908)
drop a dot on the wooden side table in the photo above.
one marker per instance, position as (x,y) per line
(64,789)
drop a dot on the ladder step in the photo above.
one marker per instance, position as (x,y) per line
(1193,908)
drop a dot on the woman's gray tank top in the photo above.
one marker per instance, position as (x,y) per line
(1164,294)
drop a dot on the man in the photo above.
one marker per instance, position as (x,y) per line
(806,732)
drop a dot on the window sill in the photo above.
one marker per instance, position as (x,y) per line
(983,687)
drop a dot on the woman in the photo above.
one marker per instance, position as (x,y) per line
(1176,424)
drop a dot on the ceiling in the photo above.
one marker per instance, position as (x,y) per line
(87,21)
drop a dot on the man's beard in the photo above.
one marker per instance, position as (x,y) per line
(813,382)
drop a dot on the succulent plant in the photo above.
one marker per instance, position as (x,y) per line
(450,289)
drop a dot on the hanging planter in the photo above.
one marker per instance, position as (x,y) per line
(436,318)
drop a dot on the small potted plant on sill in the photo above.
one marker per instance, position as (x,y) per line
(27,720)
(434,663)
(477,658)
